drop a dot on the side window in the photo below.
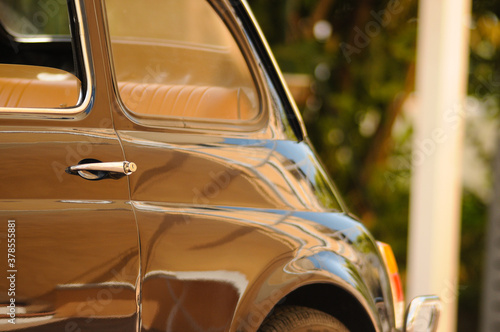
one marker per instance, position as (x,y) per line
(37,56)
(178,59)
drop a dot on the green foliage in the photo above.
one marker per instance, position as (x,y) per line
(471,256)
(38,17)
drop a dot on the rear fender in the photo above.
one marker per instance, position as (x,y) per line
(325,268)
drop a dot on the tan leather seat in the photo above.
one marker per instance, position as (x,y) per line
(26,86)
(37,87)
(187,101)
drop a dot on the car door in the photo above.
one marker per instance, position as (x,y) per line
(68,237)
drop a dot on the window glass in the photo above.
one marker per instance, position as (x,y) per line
(37,73)
(40,17)
(178,59)
(26,86)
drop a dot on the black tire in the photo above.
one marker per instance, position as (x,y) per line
(301,319)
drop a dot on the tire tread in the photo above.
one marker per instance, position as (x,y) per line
(296,318)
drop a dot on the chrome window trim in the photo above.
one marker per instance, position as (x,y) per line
(39,39)
(87,62)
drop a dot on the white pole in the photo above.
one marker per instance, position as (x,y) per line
(441,81)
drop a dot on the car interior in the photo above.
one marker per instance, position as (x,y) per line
(38,71)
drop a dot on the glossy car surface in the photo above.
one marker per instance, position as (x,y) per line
(225,215)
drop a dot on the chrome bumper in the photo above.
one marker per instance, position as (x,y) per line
(422,314)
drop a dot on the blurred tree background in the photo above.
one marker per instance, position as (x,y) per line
(353,66)
(38,17)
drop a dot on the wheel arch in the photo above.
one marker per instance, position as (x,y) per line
(337,290)
(333,300)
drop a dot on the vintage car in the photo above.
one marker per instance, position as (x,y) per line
(156,176)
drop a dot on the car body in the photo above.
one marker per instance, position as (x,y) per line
(157,176)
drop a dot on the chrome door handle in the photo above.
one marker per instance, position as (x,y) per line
(88,171)
(124,167)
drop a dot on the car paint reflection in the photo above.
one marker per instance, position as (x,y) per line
(176,249)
